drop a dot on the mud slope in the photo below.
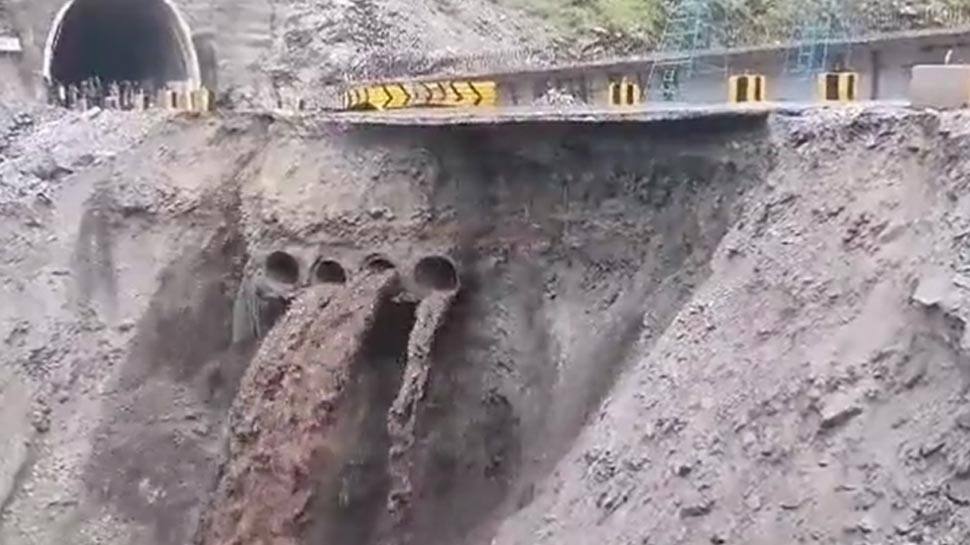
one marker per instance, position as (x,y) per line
(407,414)
(813,388)
(131,262)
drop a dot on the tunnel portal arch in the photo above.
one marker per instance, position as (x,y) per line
(121,40)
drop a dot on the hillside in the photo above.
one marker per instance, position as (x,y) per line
(618,27)
(691,327)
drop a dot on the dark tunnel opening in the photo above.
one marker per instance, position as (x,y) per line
(330,272)
(436,273)
(117,41)
(283,268)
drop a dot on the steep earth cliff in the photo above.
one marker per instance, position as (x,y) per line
(814,388)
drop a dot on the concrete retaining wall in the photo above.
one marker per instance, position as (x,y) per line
(940,86)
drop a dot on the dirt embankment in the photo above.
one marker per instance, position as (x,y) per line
(596,225)
(122,250)
(813,389)
(732,330)
(734,333)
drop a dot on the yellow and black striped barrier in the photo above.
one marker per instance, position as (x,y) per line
(838,86)
(396,96)
(747,88)
(624,92)
(200,100)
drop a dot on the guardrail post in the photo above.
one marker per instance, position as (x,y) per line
(624,92)
(747,88)
(838,86)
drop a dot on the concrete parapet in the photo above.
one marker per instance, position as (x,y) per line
(940,86)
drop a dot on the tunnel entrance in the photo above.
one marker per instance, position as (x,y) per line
(146,42)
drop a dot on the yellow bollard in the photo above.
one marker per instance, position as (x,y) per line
(203,100)
(838,86)
(747,88)
(625,92)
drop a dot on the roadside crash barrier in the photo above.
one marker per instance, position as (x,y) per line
(441,94)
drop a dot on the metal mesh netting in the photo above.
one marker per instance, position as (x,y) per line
(732,24)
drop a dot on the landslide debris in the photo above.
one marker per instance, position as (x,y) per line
(814,388)
(407,413)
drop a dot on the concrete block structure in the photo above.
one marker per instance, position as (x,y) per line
(940,86)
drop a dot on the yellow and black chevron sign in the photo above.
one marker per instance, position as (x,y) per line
(395,96)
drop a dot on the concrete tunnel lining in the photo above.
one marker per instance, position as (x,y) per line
(84,30)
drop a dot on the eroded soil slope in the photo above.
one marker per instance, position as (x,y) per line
(120,259)
(814,388)
(725,330)
(574,244)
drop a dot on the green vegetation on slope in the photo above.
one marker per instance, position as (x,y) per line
(631,25)
(631,16)
(599,24)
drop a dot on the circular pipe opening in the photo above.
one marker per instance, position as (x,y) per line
(283,267)
(330,272)
(436,273)
(378,263)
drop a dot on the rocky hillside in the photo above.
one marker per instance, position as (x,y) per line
(605,28)
(317,44)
